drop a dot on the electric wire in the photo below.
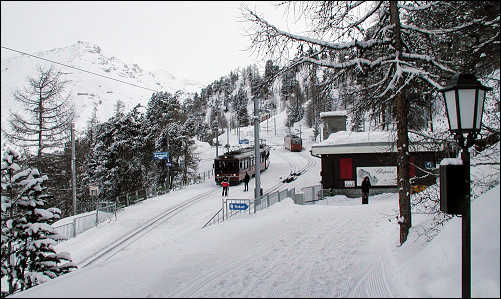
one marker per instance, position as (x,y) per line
(79,69)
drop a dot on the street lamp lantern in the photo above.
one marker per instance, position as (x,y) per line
(464,103)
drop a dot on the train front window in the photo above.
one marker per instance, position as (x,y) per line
(226,166)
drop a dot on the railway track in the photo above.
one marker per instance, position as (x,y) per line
(122,242)
(293,166)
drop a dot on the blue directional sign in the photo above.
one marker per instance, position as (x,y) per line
(161,156)
(243,141)
(239,206)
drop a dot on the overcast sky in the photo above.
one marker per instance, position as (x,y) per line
(195,40)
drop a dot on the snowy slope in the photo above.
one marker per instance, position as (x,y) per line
(87,88)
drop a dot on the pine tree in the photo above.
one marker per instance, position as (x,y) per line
(11,186)
(295,113)
(49,111)
(169,130)
(43,127)
(28,254)
(119,107)
(117,162)
(241,101)
(289,84)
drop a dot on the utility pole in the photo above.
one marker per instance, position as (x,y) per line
(185,162)
(73,168)
(217,141)
(257,153)
(275,123)
(167,163)
(267,132)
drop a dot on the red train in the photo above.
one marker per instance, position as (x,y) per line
(293,143)
(234,164)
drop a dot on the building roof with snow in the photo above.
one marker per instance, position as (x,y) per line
(333,113)
(348,142)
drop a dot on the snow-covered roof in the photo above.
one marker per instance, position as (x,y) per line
(451,161)
(333,113)
(348,142)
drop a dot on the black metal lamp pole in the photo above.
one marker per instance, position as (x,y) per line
(466,218)
(464,100)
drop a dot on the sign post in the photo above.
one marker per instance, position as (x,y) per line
(163,156)
(93,190)
(238,206)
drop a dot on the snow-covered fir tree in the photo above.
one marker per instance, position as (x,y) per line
(28,240)
(169,130)
(240,107)
(116,163)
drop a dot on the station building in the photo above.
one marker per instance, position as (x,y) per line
(347,157)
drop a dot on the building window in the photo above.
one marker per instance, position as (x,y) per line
(345,168)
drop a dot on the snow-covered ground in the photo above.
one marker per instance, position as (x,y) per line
(336,249)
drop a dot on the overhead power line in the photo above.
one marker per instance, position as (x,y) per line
(79,69)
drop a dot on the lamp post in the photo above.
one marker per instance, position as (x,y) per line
(464,102)
(73,169)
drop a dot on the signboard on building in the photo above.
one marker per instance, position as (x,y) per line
(378,176)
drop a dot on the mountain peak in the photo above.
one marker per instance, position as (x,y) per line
(128,83)
(93,48)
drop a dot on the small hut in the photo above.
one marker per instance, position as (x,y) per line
(332,122)
(347,157)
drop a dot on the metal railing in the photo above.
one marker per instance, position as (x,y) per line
(98,212)
(217,218)
(104,211)
(311,194)
(255,205)
(267,200)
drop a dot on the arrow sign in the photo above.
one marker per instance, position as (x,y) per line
(243,141)
(238,206)
(161,156)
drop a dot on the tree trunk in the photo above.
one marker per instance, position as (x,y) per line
(430,113)
(40,126)
(402,140)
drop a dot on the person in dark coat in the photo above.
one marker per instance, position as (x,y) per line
(226,184)
(246,181)
(366,184)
